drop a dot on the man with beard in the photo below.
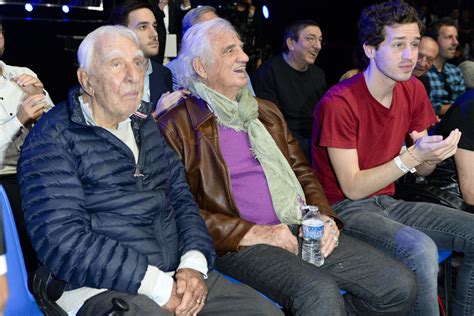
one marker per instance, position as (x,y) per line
(138,16)
(446,80)
(292,81)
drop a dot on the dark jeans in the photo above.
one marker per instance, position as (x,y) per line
(375,282)
(10,184)
(412,232)
(224,298)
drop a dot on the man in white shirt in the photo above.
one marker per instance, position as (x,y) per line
(22,102)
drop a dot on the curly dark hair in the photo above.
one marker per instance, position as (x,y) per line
(374,19)
(294,29)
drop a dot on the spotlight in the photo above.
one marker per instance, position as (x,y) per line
(28,7)
(65,8)
(266,12)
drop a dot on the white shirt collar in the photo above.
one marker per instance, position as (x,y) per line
(90,119)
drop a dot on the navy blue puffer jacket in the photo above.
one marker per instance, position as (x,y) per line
(94,216)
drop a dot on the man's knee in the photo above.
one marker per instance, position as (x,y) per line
(418,251)
(316,292)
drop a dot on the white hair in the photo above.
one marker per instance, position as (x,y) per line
(196,44)
(86,50)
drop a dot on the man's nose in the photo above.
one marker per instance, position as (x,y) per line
(243,57)
(133,73)
(318,44)
(153,33)
(408,53)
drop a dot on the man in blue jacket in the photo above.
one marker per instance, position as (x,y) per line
(106,201)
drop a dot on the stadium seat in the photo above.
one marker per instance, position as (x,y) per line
(20,301)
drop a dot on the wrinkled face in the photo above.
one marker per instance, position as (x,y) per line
(307,47)
(143,23)
(396,56)
(226,74)
(116,77)
(427,53)
(447,41)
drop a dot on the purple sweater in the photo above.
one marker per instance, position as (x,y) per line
(248,181)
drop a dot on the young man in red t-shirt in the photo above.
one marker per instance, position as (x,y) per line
(360,127)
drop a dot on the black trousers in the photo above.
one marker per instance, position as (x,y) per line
(224,298)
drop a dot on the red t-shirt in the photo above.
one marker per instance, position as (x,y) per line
(349,117)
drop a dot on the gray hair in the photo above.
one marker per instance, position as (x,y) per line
(196,44)
(86,50)
(467,69)
(194,15)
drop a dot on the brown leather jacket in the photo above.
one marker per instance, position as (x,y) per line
(192,131)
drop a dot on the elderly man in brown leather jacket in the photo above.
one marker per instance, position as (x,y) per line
(250,178)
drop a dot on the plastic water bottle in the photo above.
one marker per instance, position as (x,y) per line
(313,230)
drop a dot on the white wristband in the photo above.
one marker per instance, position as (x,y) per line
(402,166)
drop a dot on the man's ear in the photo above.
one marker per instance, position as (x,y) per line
(84,80)
(369,50)
(290,43)
(199,68)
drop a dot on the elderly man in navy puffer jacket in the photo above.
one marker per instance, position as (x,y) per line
(106,201)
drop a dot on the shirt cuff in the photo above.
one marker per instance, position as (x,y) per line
(185,8)
(3,264)
(195,260)
(18,123)
(157,285)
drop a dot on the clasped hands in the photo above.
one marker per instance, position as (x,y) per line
(189,293)
(281,236)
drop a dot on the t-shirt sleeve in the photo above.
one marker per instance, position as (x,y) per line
(423,115)
(336,122)
(264,84)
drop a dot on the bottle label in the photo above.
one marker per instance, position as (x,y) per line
(313,229)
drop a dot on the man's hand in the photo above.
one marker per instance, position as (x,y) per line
(168,100)
(173,301)
(330,238)
(434,148)
(193,290)
(275,235)
(29,84)
(31,109)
